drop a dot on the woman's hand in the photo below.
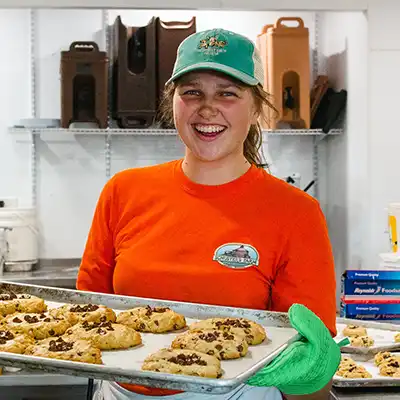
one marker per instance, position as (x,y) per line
(307,365)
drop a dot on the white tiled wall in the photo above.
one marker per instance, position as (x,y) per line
(72,170)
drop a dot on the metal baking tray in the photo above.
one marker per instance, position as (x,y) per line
(125,365)
(382,333)
(376,380)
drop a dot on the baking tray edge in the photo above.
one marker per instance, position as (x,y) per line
(157,380)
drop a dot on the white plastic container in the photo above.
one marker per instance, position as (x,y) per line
(394,226)
(21,235)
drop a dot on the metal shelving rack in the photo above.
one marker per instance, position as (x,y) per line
(60,133)
(316,140)
(32,49)
(159,132)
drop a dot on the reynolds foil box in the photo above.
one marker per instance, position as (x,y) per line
(371,309)
(371,283)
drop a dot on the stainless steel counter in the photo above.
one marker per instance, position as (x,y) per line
(47,275)
(28,378)
(366,394)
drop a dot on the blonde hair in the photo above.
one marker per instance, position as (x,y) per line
(253,142)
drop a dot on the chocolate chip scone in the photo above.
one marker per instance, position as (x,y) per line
(183,362)
(354,330)
(84,312)
(105,335)
(14,343)
(361,341)
(152,319)
(223,345)
(66,349)
(253,332)
(40,326)
(26,303)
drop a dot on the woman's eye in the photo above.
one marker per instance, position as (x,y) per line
(192,93)
(228,94)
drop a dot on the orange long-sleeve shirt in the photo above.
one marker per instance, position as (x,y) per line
(256,242)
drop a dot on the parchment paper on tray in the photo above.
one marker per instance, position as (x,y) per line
(383,338)
(376,380)
(125,365)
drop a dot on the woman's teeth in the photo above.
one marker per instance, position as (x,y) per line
(209,129)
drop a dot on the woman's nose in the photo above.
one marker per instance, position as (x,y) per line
(207,109)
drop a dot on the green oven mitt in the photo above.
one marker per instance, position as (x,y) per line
(307,365)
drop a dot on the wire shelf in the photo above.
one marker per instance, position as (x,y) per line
(159,132)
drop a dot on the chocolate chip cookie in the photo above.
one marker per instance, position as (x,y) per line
(348,368)
(84,312)
(384,356)
(221,344)
(389,367)
(184,362)
(40,326)
(11,303)
(253,332)
(361,341)
(152,319)
(27,303)
(354,330)
(353,371)
(105,335)
(11,342)
(66,349)
(346,360)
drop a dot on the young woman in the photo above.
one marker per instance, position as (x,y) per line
(164,231)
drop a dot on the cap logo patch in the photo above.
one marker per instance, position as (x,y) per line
(213,45)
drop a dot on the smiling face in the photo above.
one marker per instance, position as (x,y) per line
(213,115)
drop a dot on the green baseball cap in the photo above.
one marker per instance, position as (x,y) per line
(219,50)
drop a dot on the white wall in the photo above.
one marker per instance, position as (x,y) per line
(14,102)
(383,117)
(344,58)
(71,170)
(363,171)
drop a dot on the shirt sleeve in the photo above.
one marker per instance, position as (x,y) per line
(97,265)
(306,273)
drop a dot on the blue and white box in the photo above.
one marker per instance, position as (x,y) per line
(369,310)
(371,283)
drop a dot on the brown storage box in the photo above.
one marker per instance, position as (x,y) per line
(285,55)
(134,75)
(169,36)
(84,85)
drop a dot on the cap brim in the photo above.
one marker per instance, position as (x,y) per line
(241,76)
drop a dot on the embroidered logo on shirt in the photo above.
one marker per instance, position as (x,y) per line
(236,255)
